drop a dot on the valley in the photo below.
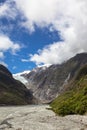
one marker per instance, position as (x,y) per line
(47,83)
(43,64)
(63,87)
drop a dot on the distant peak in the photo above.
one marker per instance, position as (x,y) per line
(24,72)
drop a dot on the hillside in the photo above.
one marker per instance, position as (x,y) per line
(74,99)
(47,83)
(13,92)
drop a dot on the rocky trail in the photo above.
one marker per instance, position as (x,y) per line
(38,118)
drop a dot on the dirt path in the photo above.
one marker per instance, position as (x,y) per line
(38,118)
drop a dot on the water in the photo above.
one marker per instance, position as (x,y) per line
(37,117)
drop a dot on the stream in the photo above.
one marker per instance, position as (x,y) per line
(38,117)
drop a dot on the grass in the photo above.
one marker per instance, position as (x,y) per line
(8,98)
(73,101)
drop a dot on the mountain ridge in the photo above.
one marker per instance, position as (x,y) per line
(46,84)
(13,92)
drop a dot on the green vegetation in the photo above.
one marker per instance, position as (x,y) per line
(13,92)
(73,100)
(8,98)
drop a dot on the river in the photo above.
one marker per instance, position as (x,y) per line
(38,117)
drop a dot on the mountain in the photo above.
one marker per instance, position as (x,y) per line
(19,76)
(47,83)
(74,99)
(13,92)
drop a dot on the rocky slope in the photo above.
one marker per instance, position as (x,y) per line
(13,92)
(74,99)
(47,83)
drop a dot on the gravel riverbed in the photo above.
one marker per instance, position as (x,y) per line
(37,117)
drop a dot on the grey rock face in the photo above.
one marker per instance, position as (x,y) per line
(48,82)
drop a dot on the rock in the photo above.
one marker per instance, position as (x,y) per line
(47,83)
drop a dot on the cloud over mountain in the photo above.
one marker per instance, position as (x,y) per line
(68,18)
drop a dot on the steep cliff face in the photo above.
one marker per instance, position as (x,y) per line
(48,82)
(13,92)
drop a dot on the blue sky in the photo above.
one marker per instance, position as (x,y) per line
(31,43)
(35,33)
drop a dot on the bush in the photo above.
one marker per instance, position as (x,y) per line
(74,101)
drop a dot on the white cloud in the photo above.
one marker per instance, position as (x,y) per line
(68,17)
(8,10)
(38,12)
(7,45)
(3,9)
(25,60)
(1,55)
(14,67)
(55,53)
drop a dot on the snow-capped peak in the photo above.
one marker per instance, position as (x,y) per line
(19,76)
(24,72)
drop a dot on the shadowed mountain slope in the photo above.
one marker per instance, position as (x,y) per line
(13,92)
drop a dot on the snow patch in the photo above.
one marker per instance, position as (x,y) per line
(19,76)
